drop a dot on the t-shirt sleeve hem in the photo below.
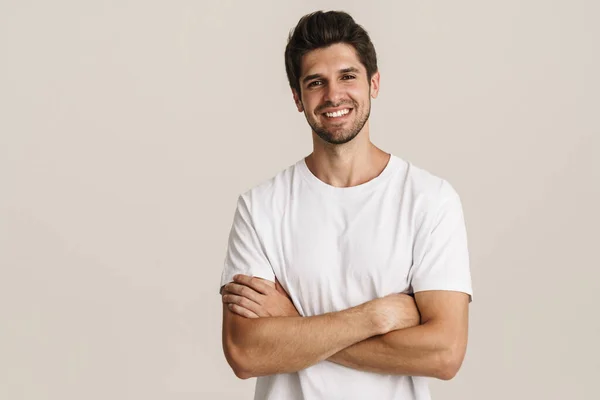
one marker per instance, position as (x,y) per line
(463,289)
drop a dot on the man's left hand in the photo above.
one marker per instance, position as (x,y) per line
(253,297)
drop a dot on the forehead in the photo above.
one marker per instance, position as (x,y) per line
(330,59)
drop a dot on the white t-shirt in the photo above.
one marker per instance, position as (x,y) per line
(333,248)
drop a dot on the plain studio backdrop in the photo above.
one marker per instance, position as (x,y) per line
(129,128)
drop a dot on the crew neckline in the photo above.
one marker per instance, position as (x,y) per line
(349,191)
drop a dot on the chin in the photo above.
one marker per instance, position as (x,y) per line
(340,138)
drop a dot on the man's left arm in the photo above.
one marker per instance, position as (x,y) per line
(441,281)
(435,348)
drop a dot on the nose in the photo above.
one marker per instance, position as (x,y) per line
(333,93)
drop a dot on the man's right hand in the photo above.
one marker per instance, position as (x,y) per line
(253,297)
(394,311)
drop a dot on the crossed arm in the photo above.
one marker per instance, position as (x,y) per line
(359,338)
(434,348)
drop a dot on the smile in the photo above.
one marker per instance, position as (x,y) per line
(338,114)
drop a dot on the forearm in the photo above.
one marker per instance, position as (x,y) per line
(276,345)
(421,350)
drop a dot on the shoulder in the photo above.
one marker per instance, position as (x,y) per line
(427,190)
(269,194)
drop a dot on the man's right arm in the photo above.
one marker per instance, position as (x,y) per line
(274,345)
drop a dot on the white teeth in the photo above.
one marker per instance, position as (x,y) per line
(338,113)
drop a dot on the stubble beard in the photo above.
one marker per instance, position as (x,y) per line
(347,134)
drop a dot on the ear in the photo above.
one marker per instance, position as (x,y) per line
(297,100)
(375,84)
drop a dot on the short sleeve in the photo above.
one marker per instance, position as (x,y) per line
(441,256)
(245,253)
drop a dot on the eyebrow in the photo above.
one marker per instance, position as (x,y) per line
(341,71)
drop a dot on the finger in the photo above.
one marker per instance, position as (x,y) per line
(259,285)
(241,311)
(245,291)
(245,303)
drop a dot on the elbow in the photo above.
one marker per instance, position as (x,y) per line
(449,363)
(446,372)
(236,360)
(240,370)
(242,374)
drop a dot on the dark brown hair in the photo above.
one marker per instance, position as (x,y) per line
(322,29)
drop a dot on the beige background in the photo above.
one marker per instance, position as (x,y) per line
(127,130)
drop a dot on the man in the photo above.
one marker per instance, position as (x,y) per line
(347,274)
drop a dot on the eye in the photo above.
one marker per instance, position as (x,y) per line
(348,76)
(314,83)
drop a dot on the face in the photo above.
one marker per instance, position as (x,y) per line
(335,93)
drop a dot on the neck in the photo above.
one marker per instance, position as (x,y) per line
(350,164)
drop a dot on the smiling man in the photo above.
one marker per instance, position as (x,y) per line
(346,274)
